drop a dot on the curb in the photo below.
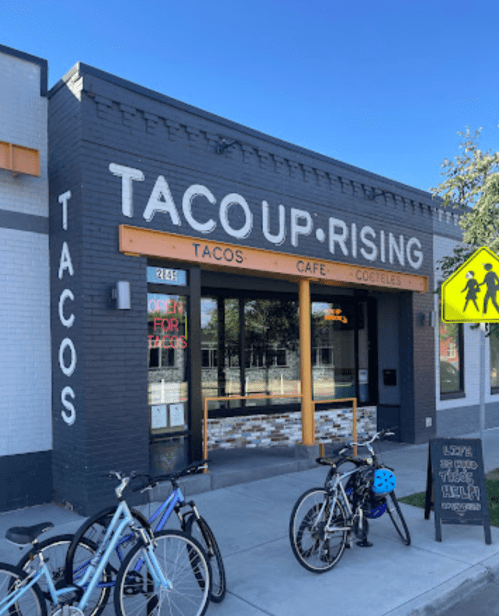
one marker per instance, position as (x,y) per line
(449,593)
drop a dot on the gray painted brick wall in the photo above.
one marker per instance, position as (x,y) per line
(97,120)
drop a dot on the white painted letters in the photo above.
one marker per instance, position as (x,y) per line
(161,200)
(127,175)
(66,294)
(348,239)
(65,261)
(190,194)
(67,346)
(70,417)
(235,199)
(279,238)
(296,228)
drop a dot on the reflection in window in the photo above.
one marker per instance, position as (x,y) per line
(260,354)
(335,326)
(451,358)
(494,356)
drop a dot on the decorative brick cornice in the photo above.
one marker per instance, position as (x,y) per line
(103,104)
(151,122)
(173,128)
(279,163)
(264,158)
(192,134)
(299,171)
(293,168)
(308,173)
(322,178)
(127,114)
(248,153)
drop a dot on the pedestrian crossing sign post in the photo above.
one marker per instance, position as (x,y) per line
(471,294)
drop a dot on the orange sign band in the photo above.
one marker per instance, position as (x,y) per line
(147,242)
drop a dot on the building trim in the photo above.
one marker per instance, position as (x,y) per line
(151,243)
(24,222)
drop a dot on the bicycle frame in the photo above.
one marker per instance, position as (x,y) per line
(164,510)
(112,537)
(338,486)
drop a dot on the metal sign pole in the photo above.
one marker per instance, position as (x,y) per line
(483,327)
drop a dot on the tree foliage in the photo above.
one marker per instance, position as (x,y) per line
(471,186)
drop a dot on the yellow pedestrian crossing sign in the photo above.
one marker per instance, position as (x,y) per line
(471,294)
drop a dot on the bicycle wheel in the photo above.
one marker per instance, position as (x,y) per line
(54,551)
(184,564)
(315,548)
(199,529)
(397,518)
(94,529)
(31,602)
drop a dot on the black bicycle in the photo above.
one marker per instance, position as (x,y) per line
(325,520)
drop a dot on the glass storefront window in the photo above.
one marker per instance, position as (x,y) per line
(494,357)
(335,326)
(451,358)
(220,338)
(271,338)
(258,341)
(167,341)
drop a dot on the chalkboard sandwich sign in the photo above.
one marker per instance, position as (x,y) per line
(455,485)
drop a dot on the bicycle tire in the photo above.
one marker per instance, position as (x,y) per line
(183,562)
(319,555)
(31,603)
(200,530)
(54,550)
(398,519)
(93,529)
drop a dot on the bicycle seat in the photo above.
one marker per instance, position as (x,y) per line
(22,535)
(329,461)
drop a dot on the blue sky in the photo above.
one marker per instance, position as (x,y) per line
(381,85)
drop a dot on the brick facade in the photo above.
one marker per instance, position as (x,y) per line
(25,366)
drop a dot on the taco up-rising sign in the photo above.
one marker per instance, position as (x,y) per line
(280,225)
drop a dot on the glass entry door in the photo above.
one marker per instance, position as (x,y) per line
(168,371)
(340,350)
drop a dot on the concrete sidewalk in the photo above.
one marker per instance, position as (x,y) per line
(250,521)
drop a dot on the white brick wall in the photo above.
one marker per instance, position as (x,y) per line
(25,367)
(25,364)
(443,246)
(23,120)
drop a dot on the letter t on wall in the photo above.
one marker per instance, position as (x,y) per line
(127,175)
(63,200)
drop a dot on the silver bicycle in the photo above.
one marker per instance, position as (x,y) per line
(325,520)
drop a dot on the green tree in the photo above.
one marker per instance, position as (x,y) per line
(471,186)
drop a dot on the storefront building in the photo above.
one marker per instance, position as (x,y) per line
(195,258)
(25,364)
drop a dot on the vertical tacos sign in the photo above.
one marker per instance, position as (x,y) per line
(67,350)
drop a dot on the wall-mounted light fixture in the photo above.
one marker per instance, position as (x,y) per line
(375,192)
(122,295)
(223,145)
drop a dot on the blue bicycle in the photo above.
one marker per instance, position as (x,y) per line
(70,554)
(167,573)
